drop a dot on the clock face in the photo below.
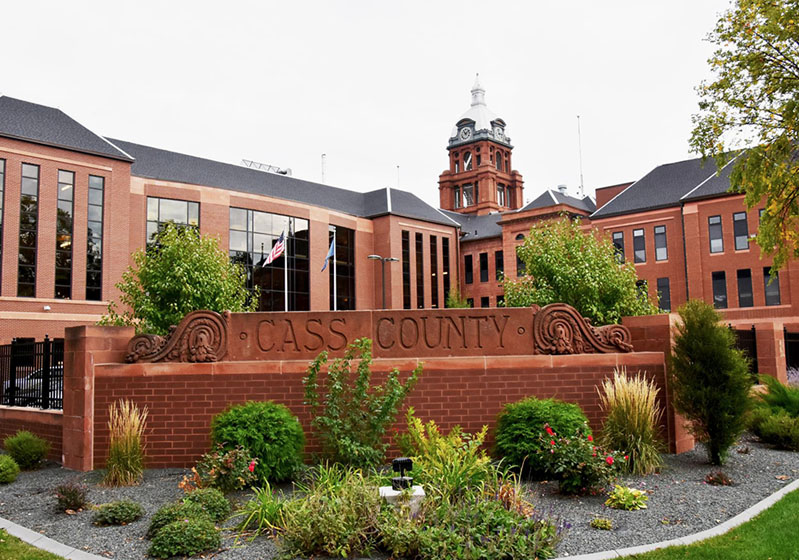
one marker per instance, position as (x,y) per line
(498,133)
(466,133)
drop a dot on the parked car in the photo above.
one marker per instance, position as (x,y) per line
(29,388)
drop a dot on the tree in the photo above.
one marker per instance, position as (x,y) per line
(455,300)
(750,112)
(710,378)
(181,272)
(564,264)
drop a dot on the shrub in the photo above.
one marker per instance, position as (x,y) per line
(175,512)
(9,470)
(718,478)
(580,465)
(779,396)
(121,512)
(775,426)
(27,449)
(520,427)
(632,420)
(263,512)
(126,423)
(212,501)
(628,499)
(448,465)
(186,537)
(602,523)
(71,496)
(710,378)
(353,416)
(225,470)
(270,432)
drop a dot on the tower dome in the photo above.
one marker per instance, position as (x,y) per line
(478,122)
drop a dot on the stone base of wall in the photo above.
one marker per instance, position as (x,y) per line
(47,424)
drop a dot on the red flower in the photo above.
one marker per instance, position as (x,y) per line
(590,438)
(552,442)
(252,465)
(626,457)
(609,460)
(550,431)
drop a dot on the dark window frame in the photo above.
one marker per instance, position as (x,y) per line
(719,286)
(740,231)
(160,223)
(639,253)
(661,243)
(771,287)
(434,303)
(94,274)
(746,296)
(664,294)
(468,269)
(499,264)
(483,262)
(64,290)
(33,231)
(419,242)
(406,269)
(715,225)
(618,244)
(445,267)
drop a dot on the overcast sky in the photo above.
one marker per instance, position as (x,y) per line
(374,85)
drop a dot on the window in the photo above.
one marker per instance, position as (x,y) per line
(499,160)
(406,270)
(457,197)
(643,290)
(419,271)
(470,302)
(445,266)
(2,203)
(485,301)
(468,269)
(499,265)
(618,243)
(715,234)
(745,297)
(467,161)
(719,290)
(434,272)
(94,239)
(457,166)
(741,231)
(519,237)
(520,267)
(63,235)
(501,195)
(639,246)
(772,286)
(344,270)
(664,294)
(483,267)
(468,195)
(500,301)
(253,234)
(661,251)
(28,231)
(479,159)
(760,215)
(163,210)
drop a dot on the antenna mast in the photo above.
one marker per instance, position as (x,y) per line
(580,154)
(323,168)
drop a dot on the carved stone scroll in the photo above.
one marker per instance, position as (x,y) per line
(200,337)
(559,329)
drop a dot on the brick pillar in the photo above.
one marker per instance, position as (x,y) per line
(655,333)
(84,347)
(771,350)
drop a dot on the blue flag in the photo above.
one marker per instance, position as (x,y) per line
(330,253)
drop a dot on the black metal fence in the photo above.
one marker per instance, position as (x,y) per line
(746,341)
(32,373)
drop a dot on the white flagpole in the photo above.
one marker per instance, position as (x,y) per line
(285,275)
(335,291)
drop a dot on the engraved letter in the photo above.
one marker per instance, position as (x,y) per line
(501,330)
(414,339)
(340,334)
(380,341)
(262,338)
(460,331)
(313,333)
(292,340)
(426,340)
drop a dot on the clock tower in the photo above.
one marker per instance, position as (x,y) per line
(480,178)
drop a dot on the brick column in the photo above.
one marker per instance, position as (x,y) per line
(771,350)
(84,347)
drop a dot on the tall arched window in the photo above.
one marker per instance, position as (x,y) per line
(499,161)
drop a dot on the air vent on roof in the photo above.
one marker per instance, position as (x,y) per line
(265,167)
(562,189)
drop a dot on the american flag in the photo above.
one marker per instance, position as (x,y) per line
(277,249)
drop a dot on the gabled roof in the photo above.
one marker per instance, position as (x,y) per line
(553,198)
(477,227)
(664,187)
(155,163)
(31,122)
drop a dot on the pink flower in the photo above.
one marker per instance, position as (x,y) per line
(252,465)
(552,442)
(590,438)
(609,460)
(550,431)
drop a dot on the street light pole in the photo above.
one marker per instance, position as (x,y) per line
(383,261)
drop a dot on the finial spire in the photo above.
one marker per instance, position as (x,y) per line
(478,93)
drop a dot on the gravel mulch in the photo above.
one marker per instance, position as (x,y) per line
(680,503)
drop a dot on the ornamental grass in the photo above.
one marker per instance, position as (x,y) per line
(126,423)
(633,418)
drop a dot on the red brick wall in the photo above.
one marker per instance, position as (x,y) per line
(47,424)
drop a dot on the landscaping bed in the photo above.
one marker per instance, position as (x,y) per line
(680,503)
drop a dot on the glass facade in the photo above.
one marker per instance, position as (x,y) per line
(419,271)
(740,228)
(661,250)
(406,269)
(719,290)
(434,271)
(63,235)
(252,236)
(639,246)
(28,231)
(745,296)
(163,210)
(94,239)
(715,234)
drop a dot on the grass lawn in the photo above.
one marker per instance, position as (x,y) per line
(12,547)
(770,535)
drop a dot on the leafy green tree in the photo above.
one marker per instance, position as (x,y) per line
(564,264)
(753,103)
(710,378)
(181,272)
(455,300)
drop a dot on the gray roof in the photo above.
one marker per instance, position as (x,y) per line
(665,186)
(552,198)
(155,163)
(477,227)
(27,121)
